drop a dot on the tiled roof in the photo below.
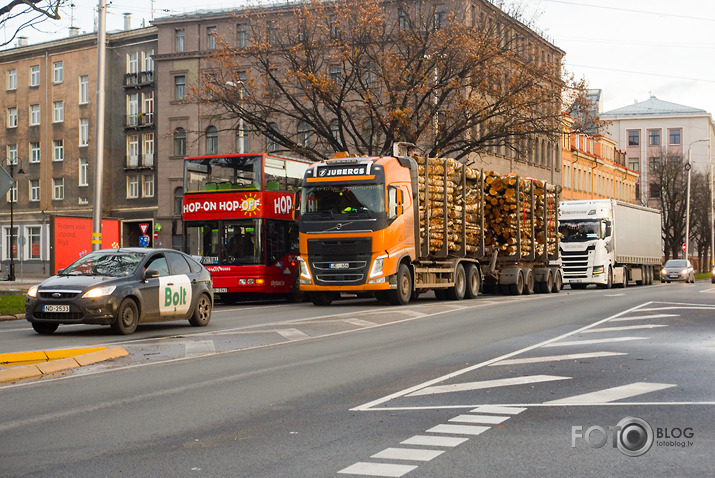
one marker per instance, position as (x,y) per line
(653,106)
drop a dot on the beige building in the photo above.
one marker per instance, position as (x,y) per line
(48,110)
(654,128)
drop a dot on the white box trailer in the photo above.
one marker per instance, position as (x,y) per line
(607,242)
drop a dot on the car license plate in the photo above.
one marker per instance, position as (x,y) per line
(674,275)
(55,308)
(219,290)
(339,265)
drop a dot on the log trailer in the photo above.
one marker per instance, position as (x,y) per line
(397,226)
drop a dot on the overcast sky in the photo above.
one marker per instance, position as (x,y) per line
(630,49)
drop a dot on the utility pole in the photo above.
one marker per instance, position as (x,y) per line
(99,129)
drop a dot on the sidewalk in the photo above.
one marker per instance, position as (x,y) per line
(21,283)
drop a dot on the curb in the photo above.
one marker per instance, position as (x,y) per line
(4,318)
(53,361)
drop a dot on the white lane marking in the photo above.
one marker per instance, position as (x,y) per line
(619,329)
(377,469)
(458,429)
(407,454)
(424,440)
(483,419)
(199,347)
(594,341)
(292,334)
(505,382)
(613,394)
(411,313)
(498,409)
(360,322)
(402,393)
(555,358)
(642,317)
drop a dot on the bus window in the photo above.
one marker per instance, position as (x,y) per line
(203,240)
(281,240)
(243,244)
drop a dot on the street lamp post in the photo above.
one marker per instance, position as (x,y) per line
(13,197)
(239,85)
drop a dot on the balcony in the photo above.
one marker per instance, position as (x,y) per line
(139,121)
(138,80)
(139,161)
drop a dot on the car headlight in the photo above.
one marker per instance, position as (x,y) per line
(32,291)
(99,292)
(663,272)
(377,266)
(684,272)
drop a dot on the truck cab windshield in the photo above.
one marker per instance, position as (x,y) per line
(334,201)
(580,231)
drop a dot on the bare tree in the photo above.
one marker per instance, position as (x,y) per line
(359,75)
(27,13)
(669,185)
(700,231)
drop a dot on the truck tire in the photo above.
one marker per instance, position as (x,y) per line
(321,298)
(547,286)
(518,288)
(473,281)
(528,281)
(459,290)
(402,294)
(558,282)
(609,280)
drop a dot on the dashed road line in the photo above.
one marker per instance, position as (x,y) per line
(613,394)
(463,387)
(578,343)
(620,329)
(428,440)
(360,322)
(458,429)
(483,419)
(643,317)
(292,334)
(556,358)
(378,469)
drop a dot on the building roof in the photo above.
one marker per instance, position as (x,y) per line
(653,106)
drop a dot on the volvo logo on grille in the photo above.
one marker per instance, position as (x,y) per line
(56,295)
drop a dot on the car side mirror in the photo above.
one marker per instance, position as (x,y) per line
(151,274)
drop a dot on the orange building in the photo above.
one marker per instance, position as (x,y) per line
(593,167)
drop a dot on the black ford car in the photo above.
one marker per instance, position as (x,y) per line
(122,288)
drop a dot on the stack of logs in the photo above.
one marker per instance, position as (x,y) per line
(508,214)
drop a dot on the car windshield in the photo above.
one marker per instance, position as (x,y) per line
(676,263)
(116,264)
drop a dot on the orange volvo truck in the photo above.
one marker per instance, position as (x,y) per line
(398,226)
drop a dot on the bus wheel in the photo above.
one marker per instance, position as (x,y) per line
(321,298)
(402,294)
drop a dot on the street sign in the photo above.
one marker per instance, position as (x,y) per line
(144,228)
(5,181)
(143,241)
(683,247)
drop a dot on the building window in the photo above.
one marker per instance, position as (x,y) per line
(148,186)
(57,72)
(241,35)
(403,19)
(83,90)
(11,79)
(674,136)
(83,131)
(654,190)
(12,193)
(211,38)
(179,142)
(149,149)
(634,164)
(84,172)
(179,41)
(133,62)
(10,238)
(634,137)
(34,115)
(440,16)
(11,154)
(178,201)
(58,150)
(653,137)
(133,109)
(34,152)
(58,189)
(211,140)
(148,111)
(179,88)
(148,61)
(334,27)
(132,187)
(336,73)
(33,242)
(654,164)
(58,111)
(304,134)
(34,190)
(133,150)
(35,75)
(271,144)
(12,117)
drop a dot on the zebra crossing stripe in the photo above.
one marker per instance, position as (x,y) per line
(500,409)
(407,454)
(613,394)
(458,429)
(377,469)
(484,419)
(504,382)
(425,440)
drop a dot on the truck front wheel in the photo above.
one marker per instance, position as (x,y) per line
(322,298)
(402,294)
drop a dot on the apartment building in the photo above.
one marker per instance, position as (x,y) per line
(48,111)
(655,129)
(594,167)
(188,128)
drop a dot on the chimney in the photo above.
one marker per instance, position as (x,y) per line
(127,21)
(74,31)
(21,41)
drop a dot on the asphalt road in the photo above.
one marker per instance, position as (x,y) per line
(497,386)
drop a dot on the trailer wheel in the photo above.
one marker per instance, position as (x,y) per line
(459,290)
(528,281)
(558,282)
(473,281)
(403,293)
(518,288)
(547,286)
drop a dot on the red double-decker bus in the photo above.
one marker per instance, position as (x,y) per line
(238,216)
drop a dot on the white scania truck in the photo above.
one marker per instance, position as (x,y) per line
(608,242)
